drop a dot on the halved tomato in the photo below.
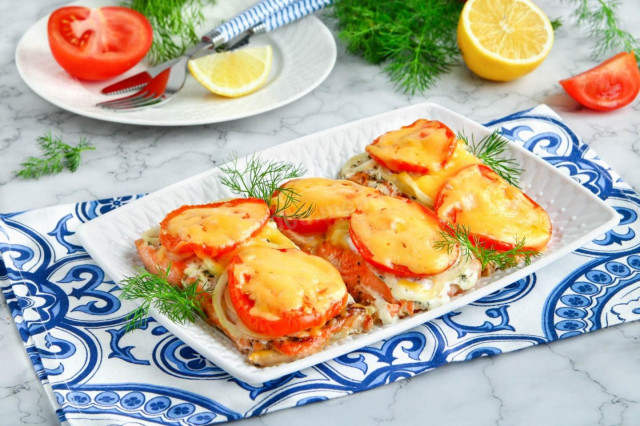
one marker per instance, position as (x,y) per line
(421,147)
(610,85)
(277,292)
(497,214)
(398,236)
(213,229)
(330,199)
(97,44)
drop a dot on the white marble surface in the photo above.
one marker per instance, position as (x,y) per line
(591,379)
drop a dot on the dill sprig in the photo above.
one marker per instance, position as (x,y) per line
(262,178)
(414,39)
(180,305)
(459,235)
(56,156)
(599,16)
(490,150)
(174,24)
(290,198)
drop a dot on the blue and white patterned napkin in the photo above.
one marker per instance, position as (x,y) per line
(72,323)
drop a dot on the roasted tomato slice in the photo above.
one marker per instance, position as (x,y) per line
(421,147)
(329,199)
(97,44)
(496,213)
(610,85)
(398,235)
(213,229)
(277,292)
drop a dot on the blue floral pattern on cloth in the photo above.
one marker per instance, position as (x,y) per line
(72,323)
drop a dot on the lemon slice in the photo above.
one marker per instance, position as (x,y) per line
(235,73)
(503,39)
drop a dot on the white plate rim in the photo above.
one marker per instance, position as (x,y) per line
(327,63)
(256,375)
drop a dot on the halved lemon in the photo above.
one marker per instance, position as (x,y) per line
(235,73)
(503,39)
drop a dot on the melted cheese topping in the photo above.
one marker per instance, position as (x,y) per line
(426,293)
(424,188)
(283,281)
(431,292)
(491,207)
(330,198)
(398,232)
(269,236)
(219,226)
(425,143)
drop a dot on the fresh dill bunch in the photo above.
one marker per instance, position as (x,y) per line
(262,178)
(180,305)
(414,39)
(174,24)
(599,16)
(459,235)
(56,156)
(490,151)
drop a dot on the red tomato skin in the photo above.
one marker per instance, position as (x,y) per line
(289,323)
(397,270)
(95,67)
(175,244)
(608,86)
(306,226)
(479,240)
(399,166)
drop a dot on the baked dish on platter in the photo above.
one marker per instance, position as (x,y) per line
(412,223)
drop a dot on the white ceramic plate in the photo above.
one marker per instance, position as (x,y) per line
(304,54)
(577,216)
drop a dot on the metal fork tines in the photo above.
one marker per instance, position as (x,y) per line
(159,90)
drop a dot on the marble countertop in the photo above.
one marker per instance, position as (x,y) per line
(590,379)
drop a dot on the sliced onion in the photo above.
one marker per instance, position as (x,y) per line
(220,302)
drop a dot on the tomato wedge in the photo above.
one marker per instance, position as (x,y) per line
(421,147)
(277,292)
(398,235)
(330,199)
(213,229)
(98,44)
(610,85)
(496,213)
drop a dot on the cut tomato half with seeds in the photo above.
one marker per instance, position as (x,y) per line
(98,44)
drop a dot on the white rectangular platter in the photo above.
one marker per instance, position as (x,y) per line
(576,214)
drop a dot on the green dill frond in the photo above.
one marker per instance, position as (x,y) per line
(262,178)
(460,236)
(174,24)
(291,198)
(180,305)
(415,40)
(599,17)
(556,23)
(490,150)
(56,155)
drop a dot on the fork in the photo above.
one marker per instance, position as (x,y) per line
(217,38)
(161,88)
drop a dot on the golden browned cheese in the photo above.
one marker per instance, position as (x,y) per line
(218,226)
(399,232)
(488,205)
(284,281)
(423,144)
(425,187)
(330,198)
